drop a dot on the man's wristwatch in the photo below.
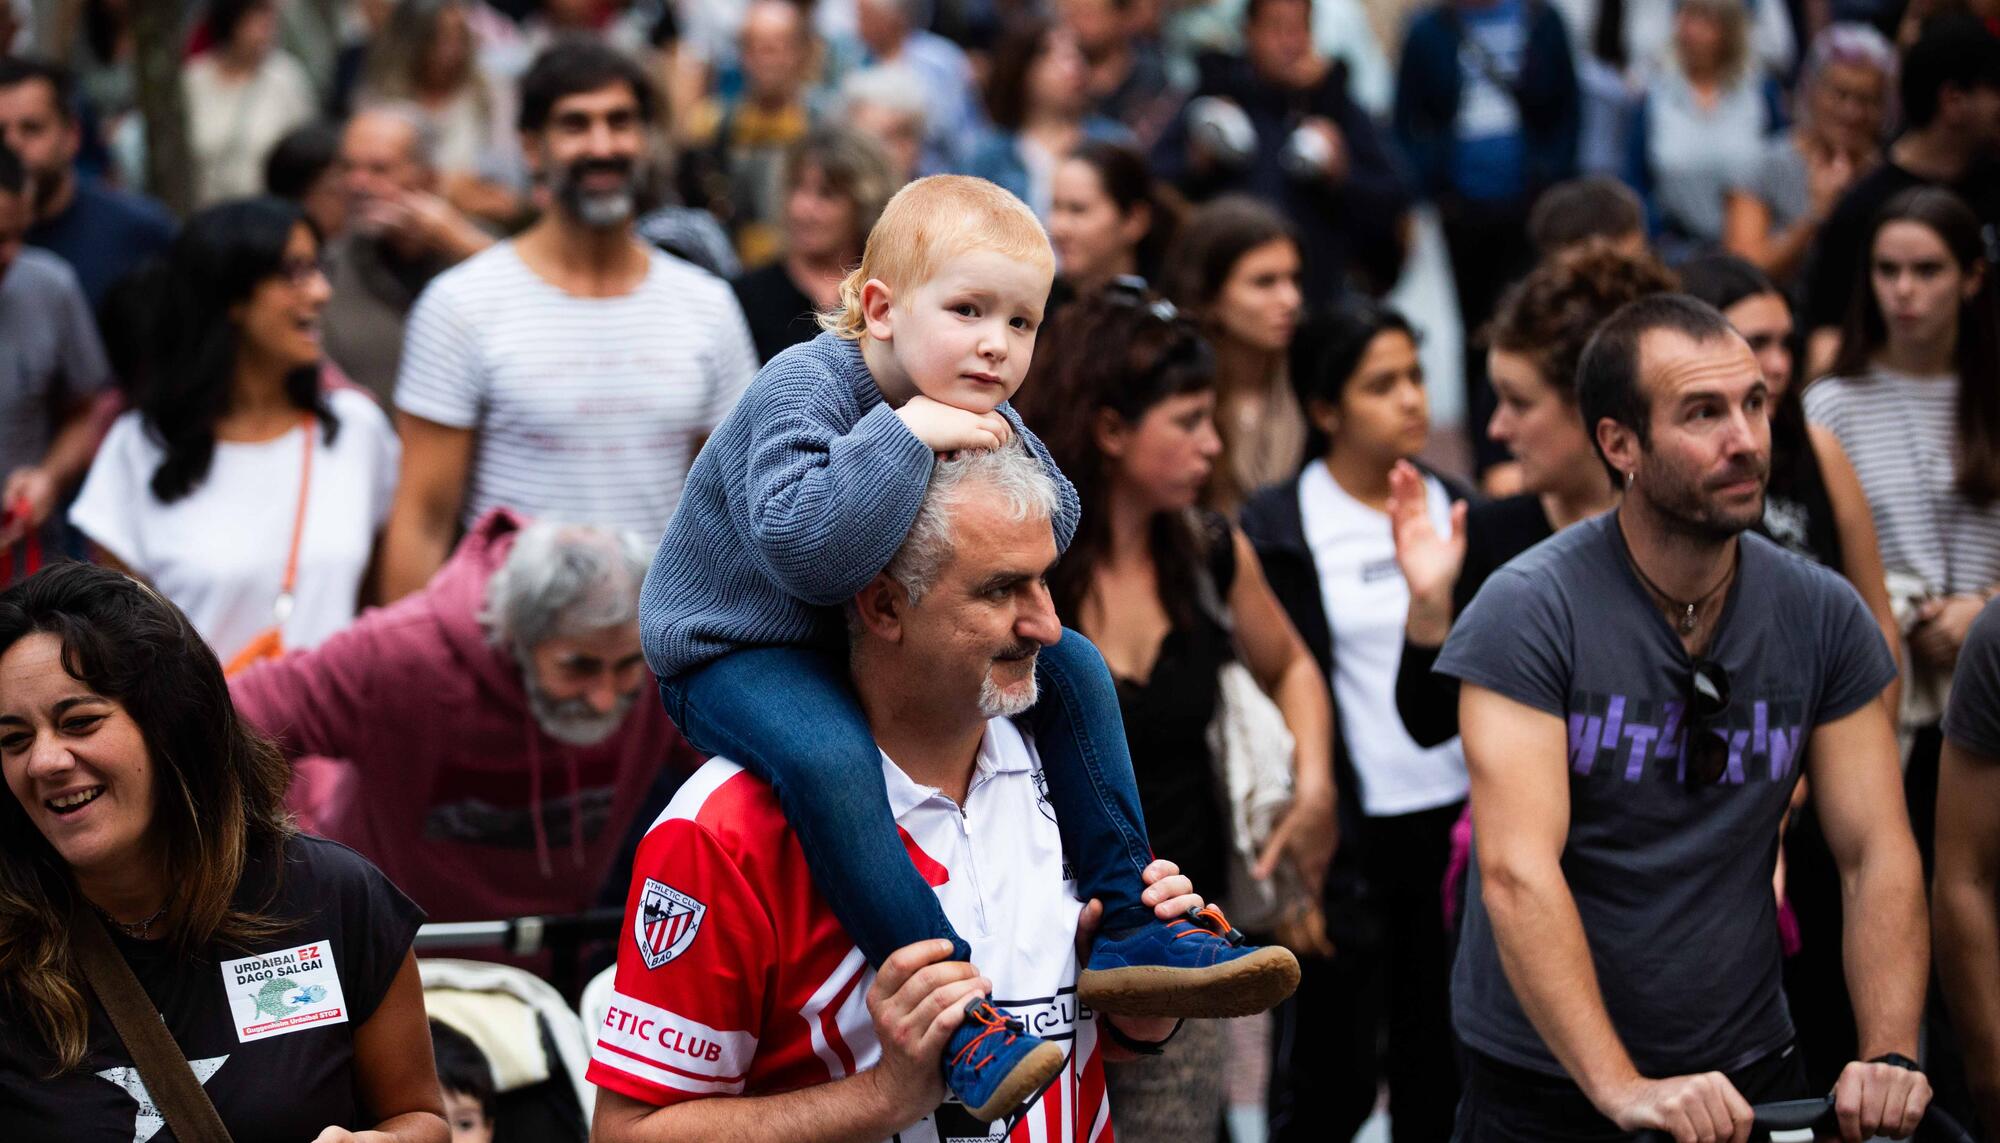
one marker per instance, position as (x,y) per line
(1898,1060)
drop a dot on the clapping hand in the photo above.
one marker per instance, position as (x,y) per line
(1430,562)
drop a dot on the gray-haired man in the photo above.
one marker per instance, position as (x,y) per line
(728,943)
(480,740)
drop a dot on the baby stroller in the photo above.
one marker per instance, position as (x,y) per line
(530,1037)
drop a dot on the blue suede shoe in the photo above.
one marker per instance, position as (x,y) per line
(994,1066)
(1197,966)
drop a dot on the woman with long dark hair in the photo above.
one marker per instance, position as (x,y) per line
(144,819)
(1107,218)
(1914,398)
(245,487)
(1123,392)
(1235,267)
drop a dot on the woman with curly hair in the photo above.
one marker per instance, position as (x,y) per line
(1533,344)
(144,820)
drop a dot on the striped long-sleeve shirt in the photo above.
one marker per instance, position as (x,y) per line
(1902,435)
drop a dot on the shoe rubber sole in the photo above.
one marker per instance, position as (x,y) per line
(1026,1081)
(1256,982)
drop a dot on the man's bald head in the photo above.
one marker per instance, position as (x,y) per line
(776,48)
(385,149)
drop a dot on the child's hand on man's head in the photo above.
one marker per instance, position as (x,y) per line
(948,429)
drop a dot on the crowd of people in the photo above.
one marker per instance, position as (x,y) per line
(935,515)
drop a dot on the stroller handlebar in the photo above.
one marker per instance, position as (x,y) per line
(1817,1115)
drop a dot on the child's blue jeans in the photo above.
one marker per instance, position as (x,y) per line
(789,716)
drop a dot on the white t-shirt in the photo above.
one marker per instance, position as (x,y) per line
(232,124)
(587,409)
(219,552)
(734,977)
(1366,603)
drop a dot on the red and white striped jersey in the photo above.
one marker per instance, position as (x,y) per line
(734,977)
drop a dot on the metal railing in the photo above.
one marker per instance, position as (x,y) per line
(564,938)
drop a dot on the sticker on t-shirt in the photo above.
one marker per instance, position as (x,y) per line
(275,993)
(666,923)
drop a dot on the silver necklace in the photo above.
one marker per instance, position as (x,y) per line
(137,930)
(1685,622)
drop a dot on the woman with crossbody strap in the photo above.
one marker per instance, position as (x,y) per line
(176,963)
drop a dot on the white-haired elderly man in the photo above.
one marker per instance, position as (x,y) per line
(401,234)
(482,740)
(734,978)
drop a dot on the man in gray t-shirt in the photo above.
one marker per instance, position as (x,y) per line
(1641,695)
(51,366)
(1968,859)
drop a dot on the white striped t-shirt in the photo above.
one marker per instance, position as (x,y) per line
(586,409)
(1901,433)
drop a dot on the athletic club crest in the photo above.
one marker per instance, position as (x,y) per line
(666,923)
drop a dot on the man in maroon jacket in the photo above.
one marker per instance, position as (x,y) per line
(483,740)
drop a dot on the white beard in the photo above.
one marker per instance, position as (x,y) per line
(996,703)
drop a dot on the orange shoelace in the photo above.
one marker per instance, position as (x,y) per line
(1222,927)
(994,1023)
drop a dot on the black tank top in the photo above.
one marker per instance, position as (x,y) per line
(1166,724)
(1798,513)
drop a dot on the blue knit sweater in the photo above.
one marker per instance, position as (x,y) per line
(803,494)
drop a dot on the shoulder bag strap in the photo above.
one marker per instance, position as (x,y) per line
(282,609)
(169,1080)
(1488,66)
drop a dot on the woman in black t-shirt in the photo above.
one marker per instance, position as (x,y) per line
(1123,392)
(281,964)
(836,184)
